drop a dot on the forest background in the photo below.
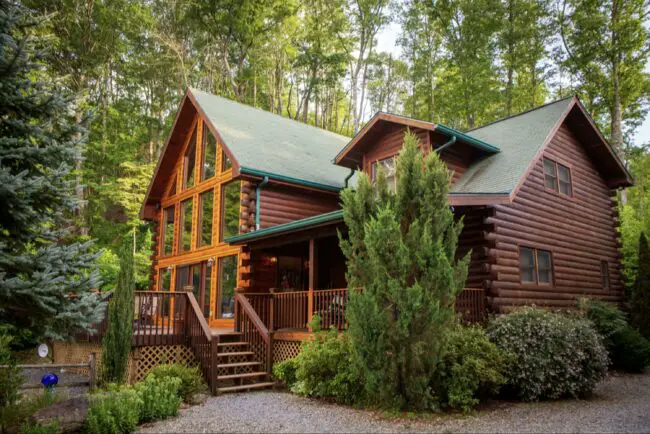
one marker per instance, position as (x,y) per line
(463,63)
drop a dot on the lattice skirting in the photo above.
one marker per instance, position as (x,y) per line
(283,350)
(145,358)
(141,359)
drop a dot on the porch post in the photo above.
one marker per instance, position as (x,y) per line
(313,279)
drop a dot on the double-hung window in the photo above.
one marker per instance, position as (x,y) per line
(535,266)
(388,165)
(557,177)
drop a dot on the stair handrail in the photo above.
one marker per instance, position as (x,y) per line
(245,309)
(198,346)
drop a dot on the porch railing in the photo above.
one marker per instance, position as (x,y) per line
(175,318)
(295,310)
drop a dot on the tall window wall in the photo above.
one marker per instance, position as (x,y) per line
(200,209)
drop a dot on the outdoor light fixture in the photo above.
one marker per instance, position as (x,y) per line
(170,268)
(210,262)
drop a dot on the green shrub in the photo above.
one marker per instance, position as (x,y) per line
(606,318)
(555,355)
(114,411)
(160,397)
(630,351)
(15,415)
(472,367)
(35,428)
(286,371)
(324,369)
(191,379)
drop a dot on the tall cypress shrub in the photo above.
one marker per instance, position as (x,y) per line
(401,250)
(640,299)
(117,342)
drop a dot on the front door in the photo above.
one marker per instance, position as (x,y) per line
(226,283)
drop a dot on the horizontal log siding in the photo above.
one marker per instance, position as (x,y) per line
(580,232)
(280,205)
(473,238)
(456,157)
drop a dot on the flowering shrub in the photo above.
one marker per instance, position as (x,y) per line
(556,355)
(472,368)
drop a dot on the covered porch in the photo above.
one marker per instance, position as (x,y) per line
(293,273)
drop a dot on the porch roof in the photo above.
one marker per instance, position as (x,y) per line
(294,226)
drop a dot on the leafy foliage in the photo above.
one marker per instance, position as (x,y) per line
(15,416)
(640,300)
(286,371)
(606,318)
(630,350)
(114,411)
(401,250)
(191,379)
(40,265)
(472,368)
(117,341)
(323,369)
(10,382)
(160,397)
(556,355)
(34,428)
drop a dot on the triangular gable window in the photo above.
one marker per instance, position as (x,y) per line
(190,162)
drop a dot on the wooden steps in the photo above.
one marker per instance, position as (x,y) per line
(245,387)
(238,370)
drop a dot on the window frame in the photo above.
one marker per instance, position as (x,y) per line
(556,176)
(204,141)
(374,165)
(199,233)
(181,220)
(194,137)
(163,235)
(222,210)
(551,268)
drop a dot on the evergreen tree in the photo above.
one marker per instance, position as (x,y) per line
(401,250)
(641,291)
(117,342)
(45,278)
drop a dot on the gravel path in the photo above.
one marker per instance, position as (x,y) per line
(621,404)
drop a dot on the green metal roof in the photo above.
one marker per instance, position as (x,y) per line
(274,145)
(519,138)
(305,223)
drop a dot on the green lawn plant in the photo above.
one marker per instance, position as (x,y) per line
(401,249)
(114,411)
(192,382)
(160,397)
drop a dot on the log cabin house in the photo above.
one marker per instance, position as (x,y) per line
(246,211)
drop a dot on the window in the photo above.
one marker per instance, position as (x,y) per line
(229,210)
(389,167)
(209,154)
(172,187)
(535,266)
(227,283)
(185,242)
(604,274)
(207,204)
(527,264)
(190,162)
(550,174)
(168,232)
(564,175)
(164,284)
(207,284)
(557,177)
(225,162)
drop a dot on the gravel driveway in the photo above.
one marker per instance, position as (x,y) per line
(621,404)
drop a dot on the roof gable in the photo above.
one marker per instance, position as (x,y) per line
(350,155)
(269,144)
(523,137)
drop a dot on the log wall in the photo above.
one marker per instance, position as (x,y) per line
(580,231)
(280,204)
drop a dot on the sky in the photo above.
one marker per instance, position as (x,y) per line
(387,41)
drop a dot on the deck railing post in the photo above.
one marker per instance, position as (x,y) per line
(214,345)
(310,307)
(271,310)
(237,313)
